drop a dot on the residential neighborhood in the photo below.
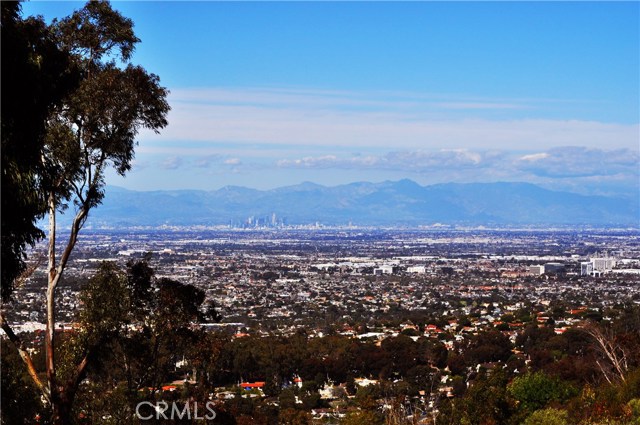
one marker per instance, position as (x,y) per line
(463,302)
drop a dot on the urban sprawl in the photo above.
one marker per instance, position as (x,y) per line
(437,287)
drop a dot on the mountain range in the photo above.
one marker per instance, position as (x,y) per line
(390,203)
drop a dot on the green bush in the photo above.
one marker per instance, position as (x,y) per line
(547,417)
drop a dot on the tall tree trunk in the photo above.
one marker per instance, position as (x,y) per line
(61,397)
(51,312)
(62,409)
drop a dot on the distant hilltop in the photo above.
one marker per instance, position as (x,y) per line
(390,203)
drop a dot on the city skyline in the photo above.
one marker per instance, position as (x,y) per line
(272,94)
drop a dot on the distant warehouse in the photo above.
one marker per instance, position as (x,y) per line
(536,270)
(553,268)
(547,268)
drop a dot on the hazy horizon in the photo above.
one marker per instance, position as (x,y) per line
(366,182)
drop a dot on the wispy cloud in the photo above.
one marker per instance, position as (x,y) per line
(136,164)
(582,162)
(480,105)
(359,120)
(331,99)
(171,163)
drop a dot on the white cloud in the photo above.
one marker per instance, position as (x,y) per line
(232,161)
(332,161)
(534,156)
(562,162)
(399,160)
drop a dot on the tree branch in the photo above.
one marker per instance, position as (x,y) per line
(19,281)
(604,372)
(78,191)
(612,351)
(78,221)
(52,280)
(88,178)
(26,358)
(55,273)
(78,374)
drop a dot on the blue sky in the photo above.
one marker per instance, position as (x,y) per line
(269,94)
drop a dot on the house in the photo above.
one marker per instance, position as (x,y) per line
(251,385)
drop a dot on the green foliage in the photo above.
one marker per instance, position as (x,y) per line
(456,363)
(634,410)
(272,387)
(287,399)
(367,396)
(36,76)
(488,346)
(19,396)
(401,351)
(458,385)
(547,417)
(135,345)
(177,304)
(534,391)
(74,107)
(310,400)
(96,128)
(630,389)
(362,417)
(76,110)
(113,407)
(95,31)
(534,337)
(350,385)
(294,417)
(106,303)
(485,401)
(139,280)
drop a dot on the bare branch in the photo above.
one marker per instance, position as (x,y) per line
(604,372)
(78,221)
(78,191)
(29,271)
(612,351)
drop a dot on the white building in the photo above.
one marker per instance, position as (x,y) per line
(417,269)
(586,268)
(603,265)
(536,270)
(386,269)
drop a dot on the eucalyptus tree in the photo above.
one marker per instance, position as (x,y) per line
(36,76)
(92,129)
